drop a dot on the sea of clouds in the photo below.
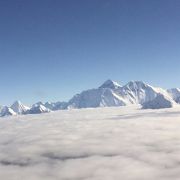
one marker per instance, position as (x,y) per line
(92,144)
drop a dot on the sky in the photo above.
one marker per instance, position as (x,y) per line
(53,49)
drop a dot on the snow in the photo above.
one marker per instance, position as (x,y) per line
(112,94)
(138,92)
(52,105)
(109,94)
(161,101)
(60,106)
(7,111)
(110,84)
(38,109)
(175,94)
(92,144)
(49,105)
(38,104)
(102,97)
(19,108)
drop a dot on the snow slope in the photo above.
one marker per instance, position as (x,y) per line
(102,97)
(38,109)
(52,105)
(110,84)
(7,111)
(138,92)
(92,144)
(161,101)
(1,107)
(19,108)
(109,94)
(112,94)
(175,94)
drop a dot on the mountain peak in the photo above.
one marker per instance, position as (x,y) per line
(161,101)
(110,84)
(175,94)
(17,102)
(7,111)
(38,109)
(134,85)
(19,108)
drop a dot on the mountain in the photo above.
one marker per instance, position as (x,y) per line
(38,104)
(19,108)
(110,84)
(60,106)
(7,111)
(112,94)
(50,105)
(175,94)
(109,94)
(161,101)
(1,108)
(38,109)
(101,97)
(138,92)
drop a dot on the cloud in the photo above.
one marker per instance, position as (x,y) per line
(91,144)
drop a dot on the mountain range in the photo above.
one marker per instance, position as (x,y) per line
(109,94)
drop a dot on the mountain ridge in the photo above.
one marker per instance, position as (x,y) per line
(109,94)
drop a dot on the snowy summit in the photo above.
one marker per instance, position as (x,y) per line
(19,108)
(110,84)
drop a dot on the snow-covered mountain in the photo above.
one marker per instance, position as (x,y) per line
(60,105)
(52,105)
(19,108)
(161,101)
(101,97)
(175,94)
(38,104)
(110,93)
(38,109)
(110,84)
(49,105)
(138,92)
(7,111)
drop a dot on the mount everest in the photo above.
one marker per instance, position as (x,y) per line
(109,94)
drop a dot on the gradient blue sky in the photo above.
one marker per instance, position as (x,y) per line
(53,49)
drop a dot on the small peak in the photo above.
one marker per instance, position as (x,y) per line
(7,111)
(37,104)
(48,103)
(174,90)
(135,84)
(17,102)
(38,109)
(19,108)
(110,84)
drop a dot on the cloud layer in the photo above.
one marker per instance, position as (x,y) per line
(92,144)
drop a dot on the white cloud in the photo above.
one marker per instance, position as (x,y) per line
(92,144)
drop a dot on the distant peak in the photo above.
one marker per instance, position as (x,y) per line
(17,102)
(139,84)
(37,104)
(174,90)
(110,84)
(6,111)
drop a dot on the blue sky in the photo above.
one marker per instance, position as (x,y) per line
(53,49)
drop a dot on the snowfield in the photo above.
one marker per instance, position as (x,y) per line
(120,143)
